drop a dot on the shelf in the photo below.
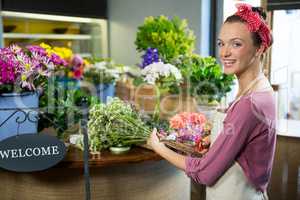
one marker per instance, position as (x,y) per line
(46,36)
(47,17)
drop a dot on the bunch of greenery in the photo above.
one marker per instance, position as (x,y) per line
(171,37)
(115,124)
(204,78)
(61,108)
(102,70)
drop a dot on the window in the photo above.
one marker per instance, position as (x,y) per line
(285,65)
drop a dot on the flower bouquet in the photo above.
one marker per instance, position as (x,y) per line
(115,124)
(190,133)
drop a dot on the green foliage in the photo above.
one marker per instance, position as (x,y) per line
(171,37)
(204,77)
(60,107)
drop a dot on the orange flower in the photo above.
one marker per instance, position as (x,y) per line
(177,122)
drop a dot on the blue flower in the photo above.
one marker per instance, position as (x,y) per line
(150,57)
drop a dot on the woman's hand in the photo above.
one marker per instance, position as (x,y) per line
(159,147)
(153,140)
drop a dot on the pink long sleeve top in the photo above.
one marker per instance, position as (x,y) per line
(248,137)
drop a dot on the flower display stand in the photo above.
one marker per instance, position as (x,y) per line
(18,114)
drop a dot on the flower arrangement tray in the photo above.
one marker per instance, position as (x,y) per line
(183,148)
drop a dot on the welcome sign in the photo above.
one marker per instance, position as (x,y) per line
(31,152)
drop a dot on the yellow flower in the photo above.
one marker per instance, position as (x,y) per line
(86,63)
(27,66)
(63,52)
(45,46)
(23,77)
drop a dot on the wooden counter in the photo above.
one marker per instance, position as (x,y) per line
(74,158)
(138,174)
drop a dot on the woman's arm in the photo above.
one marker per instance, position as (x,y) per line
(176,159)
(221,155)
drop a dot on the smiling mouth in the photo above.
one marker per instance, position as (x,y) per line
(228,63)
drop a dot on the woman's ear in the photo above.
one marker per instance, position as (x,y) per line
(259,52)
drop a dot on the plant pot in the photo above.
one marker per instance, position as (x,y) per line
(119,149)
(104,91)
(124,91)
(145,98)
(18,114)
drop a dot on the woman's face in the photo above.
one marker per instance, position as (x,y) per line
(236,49)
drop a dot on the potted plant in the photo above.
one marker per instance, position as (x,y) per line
(162,77)
(204,80)
(23,73)
(103,73)
(170,36)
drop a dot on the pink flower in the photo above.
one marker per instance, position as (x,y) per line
(77,74)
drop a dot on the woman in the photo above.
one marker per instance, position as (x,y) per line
(238,164)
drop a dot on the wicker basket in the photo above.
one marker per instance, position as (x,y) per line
(184,148)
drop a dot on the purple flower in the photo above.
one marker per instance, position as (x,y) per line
(22,67)
(57,60)
(37,49)
(186,137)
(150,57)
(7,74)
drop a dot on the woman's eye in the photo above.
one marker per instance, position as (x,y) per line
(219,44)
(236,44)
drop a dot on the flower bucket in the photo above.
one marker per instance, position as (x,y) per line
(18,114)
(68,83)
(104,91)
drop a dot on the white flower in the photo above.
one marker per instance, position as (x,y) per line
(101,65)
(156,70)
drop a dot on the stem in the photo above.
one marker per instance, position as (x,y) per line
(156,114)
(134,141)
(132,122)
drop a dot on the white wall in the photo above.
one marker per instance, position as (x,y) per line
(126,15)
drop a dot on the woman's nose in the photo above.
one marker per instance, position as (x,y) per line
(224,51)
